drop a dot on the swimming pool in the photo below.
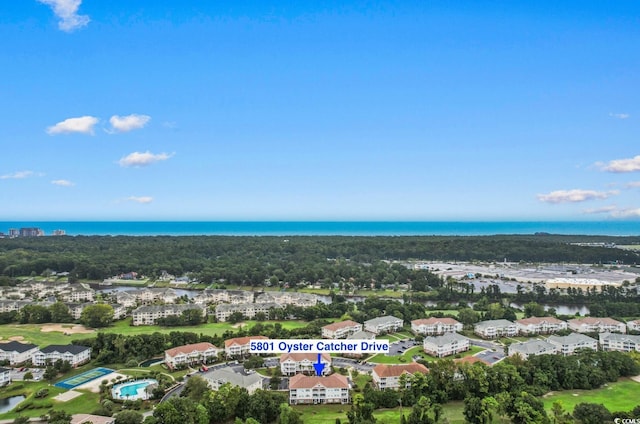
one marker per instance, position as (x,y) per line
(133,390)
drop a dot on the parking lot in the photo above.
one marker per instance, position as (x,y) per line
(18,374)
(398,348)
(491,356)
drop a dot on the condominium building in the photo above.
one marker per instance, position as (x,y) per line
(294,363)
(540,325)
(532,347)
(633,325)
(567,345)
(445,345)
(435,326)
(5,376)
(239,346)
(597,325)
(150,314)
(248,310)
(74,354)
(16,353)
(191,354)
(249,380)
(318,390)
(303,300)
(381,325)
(388,376)
(619,342)
(224,296)
(341,330)
(495,328)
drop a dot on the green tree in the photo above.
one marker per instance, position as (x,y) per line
(97,316)
(196,388)
(60,312)
(129,417)
(288,415)
(591,413)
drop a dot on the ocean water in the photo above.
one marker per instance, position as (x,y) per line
(354,228)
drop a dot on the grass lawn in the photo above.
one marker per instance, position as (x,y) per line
(41,406)
(406,357)
(316,414)
(619,396)
(453,312)
(32,333)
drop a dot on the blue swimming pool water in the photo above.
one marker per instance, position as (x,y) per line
(133,390)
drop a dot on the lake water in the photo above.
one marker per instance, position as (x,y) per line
(7,404)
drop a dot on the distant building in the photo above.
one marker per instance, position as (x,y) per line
(250,380)
(74,354)
(303,300)
(445,345)
(150,314)
(619,342)
(388,376)
(248,310)
(341,330)
(540,325)
(532,347)
(191,354)
(385,324)
(239,346)
(495,328)
(567,345)
(16,353)
(294,363)
(5,376)
(91,419)
(634,325)
(318,390)
(31,232)
(59,232)
(435,326)
(597,325)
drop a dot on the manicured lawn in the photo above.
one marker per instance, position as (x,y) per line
(32,333)
(406,357)
(41,406)
(453,312)
(323,414)
(622,395)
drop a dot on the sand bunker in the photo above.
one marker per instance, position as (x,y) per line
(74,329)
(16,338)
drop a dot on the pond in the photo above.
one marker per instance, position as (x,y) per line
(7,404)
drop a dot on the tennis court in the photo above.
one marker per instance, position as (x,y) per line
(85,377)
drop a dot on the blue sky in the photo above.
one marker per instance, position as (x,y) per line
(325,110)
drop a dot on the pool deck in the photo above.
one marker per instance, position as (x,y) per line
(94,385)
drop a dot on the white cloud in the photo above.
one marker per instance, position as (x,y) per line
(140,199)
(626,213)
(67,11)
(19,175)
(63,183)
(619,115)
(604,209)
(633,184)
(622,165)
(138,159)
(575,195)
(83,125)
(128,123)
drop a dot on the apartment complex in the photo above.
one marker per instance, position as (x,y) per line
(532,347)
(435,326)
(318,390)
(73,354)
(597,325)
(240,345)
(495,328)
(388,376)
(191,354)
(294,363)
(540,325)
(150,314)
(381,325)
(341,330)
(619,342)
(567,345)
(248,310)
(16,353)
(445,345)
